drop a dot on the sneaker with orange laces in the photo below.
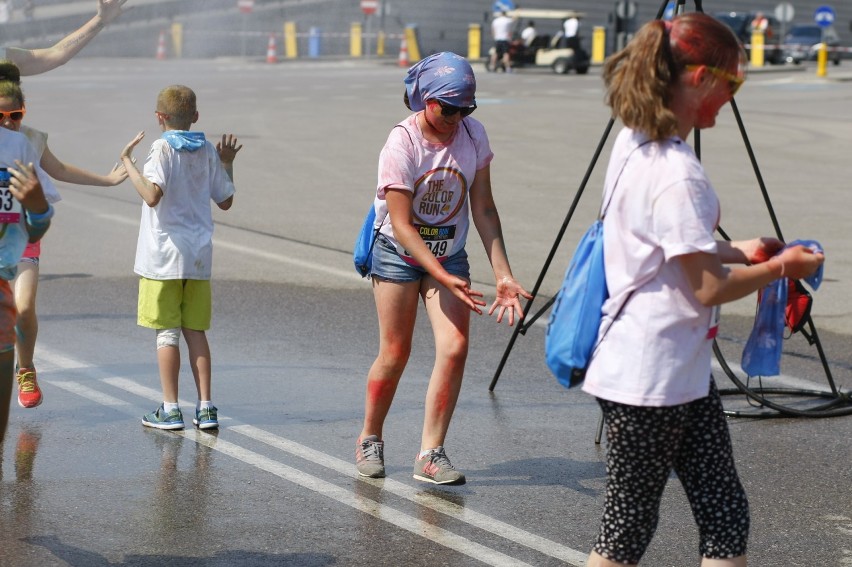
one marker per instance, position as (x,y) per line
(29,394)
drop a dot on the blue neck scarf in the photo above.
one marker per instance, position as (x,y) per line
(444,76)
(184,140)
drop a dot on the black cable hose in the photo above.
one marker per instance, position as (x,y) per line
(759,396)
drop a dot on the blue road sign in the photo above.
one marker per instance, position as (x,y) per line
(824,16)
(502,6)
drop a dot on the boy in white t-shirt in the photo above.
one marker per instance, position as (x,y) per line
(174,253)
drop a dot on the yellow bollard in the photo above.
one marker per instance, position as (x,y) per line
(474,42)
(177,40)
(411,44)
(598,45)
(822,60)
(380,43)
(355,41)
(757,49)
(291,47)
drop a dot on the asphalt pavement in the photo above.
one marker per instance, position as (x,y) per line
(294,332)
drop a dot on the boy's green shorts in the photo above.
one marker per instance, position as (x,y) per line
(166,304)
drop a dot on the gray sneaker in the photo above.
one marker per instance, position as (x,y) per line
(437,469)
(369,457)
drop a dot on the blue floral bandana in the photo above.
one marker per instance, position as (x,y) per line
(444,76)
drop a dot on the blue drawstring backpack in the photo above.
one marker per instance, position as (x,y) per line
(572,331)
(362,254)
(575,320)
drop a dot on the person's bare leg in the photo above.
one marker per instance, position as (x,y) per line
(396,306)
(7,377)
(596,560)
(26,287)
(168,361)
(199,361)
(733,562)
(450,320)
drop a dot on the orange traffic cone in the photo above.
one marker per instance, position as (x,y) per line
(403,53)
(271,56)
(161,46)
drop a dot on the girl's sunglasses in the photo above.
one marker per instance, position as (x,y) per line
(14,115)
(450,110)
(734,82)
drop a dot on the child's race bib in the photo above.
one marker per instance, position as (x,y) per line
(10,208)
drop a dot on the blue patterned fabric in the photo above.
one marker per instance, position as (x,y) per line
(444,76)
(762,352)
(184,140)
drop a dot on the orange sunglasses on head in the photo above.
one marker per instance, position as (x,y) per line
(14,115)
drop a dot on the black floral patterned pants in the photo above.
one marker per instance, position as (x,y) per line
(644,445)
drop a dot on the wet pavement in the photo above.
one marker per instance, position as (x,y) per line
(84,484)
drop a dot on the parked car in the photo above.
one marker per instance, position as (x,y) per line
(802,43)
(547,49)
(740,23)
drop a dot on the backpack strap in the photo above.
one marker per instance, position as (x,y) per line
(381,224)
(604,207)
(605,204)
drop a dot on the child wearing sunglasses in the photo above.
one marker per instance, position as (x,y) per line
(667,276)
(434,174)
(13,111)
(24,217)
(182,175)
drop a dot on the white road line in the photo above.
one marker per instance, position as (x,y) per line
(361,503)
(481,521)
(89,393)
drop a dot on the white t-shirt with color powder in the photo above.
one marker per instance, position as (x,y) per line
(658,351)
(439,175)
(176,236)
(15,146)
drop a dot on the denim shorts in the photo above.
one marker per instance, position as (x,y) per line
(388,265)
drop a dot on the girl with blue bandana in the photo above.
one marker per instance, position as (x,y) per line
(183,173)
(434,175)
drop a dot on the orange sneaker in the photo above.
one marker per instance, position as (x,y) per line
(29,394)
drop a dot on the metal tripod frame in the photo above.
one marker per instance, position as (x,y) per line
(839,403)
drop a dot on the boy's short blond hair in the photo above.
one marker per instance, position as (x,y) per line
(177,102)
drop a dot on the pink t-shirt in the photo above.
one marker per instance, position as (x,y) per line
(439,175)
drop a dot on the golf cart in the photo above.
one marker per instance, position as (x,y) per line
(549,48)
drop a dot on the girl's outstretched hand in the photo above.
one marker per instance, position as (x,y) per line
(509,293)
(470,297)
